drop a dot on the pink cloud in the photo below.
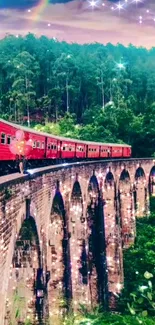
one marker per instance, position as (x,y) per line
(75,22)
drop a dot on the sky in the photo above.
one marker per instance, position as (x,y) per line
(82,21)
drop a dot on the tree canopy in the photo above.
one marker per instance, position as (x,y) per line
(109,89)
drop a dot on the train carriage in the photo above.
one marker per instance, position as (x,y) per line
(81,150)
(105,151)
(47,148)
(93,151)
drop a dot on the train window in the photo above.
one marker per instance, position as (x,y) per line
(38,144)
(55,147)
(43,145)
(3,138)
(49,146)
(70,149)
(63,148)
(34,144)
(8,139)
(52,147)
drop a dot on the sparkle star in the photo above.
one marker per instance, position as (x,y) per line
(119,6)
(93,3)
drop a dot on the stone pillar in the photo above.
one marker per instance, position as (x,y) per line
(78,248)
(140,185)
(126,213)
(113,243)
(94,240)
(56,256)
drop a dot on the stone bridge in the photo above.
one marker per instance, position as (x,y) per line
(62,234)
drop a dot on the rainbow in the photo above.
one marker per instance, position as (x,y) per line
(37,11)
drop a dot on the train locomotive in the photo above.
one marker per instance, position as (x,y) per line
(49,149)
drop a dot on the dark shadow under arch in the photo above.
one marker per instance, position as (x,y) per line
(58,208)
(109,178)
(28,232)
(152,181)
(77,200)
(93,184)
(125,176)
(96,241)
(76,191)
(58,204)
(27,242)
(152,171)
(139,173)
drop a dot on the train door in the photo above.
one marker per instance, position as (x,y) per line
(45,149)
(109,152)
(86,150)
(75,150)
(60,153)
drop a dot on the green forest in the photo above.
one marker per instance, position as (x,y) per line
(91,92)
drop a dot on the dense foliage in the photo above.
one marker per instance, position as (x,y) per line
(139,267)
(109,89)
(98,318)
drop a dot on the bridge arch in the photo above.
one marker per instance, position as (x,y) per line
(152,181)
(109,178)
(96,243)
(124,176)
(112,235)
(78,244)
(58,253)
(140,192)
(125,201)
(139,173)
(25,259)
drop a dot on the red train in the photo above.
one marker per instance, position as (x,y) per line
(48,147)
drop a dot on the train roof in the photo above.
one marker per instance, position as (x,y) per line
(26,129)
